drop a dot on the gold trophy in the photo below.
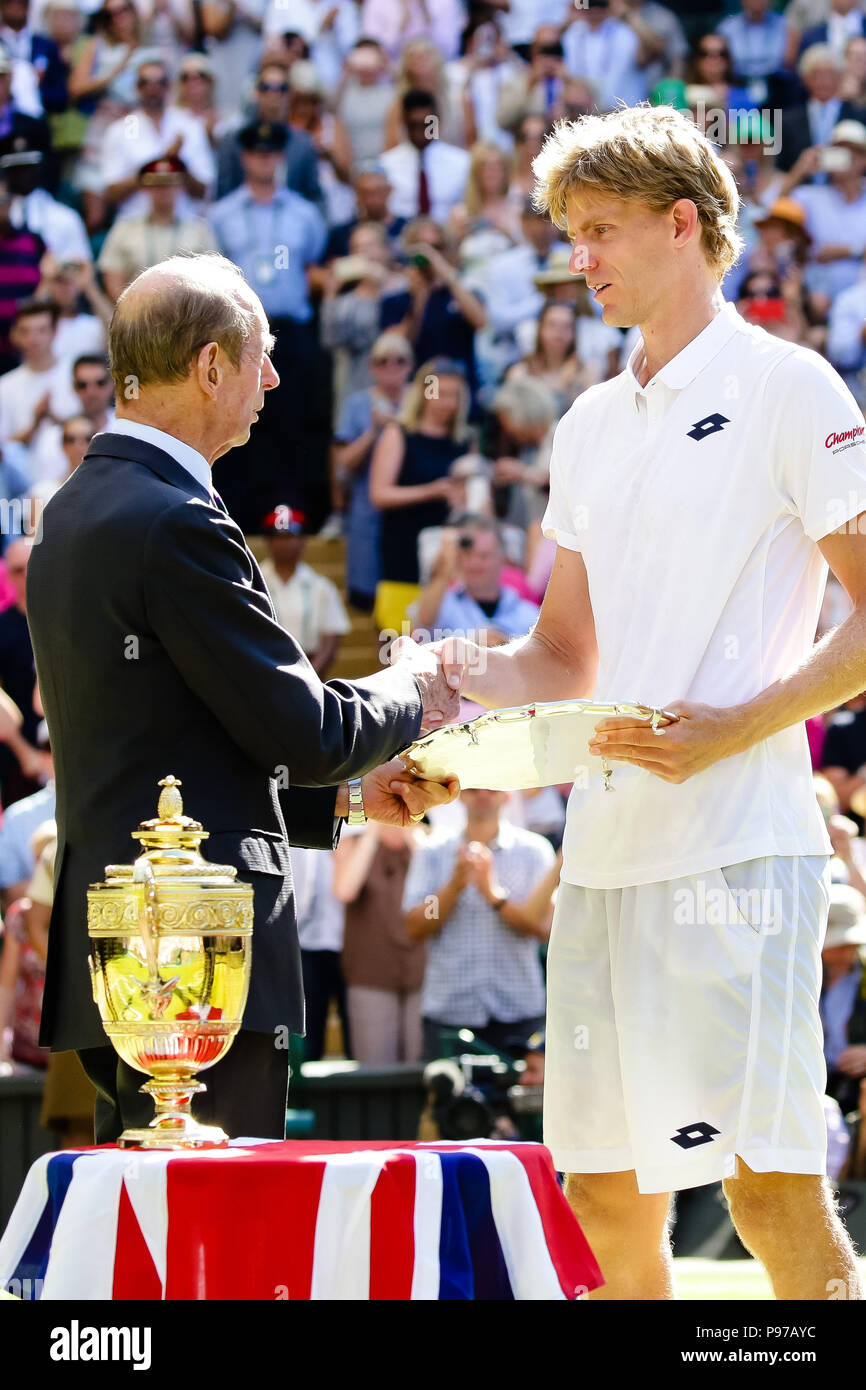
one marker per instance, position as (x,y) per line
(170,966)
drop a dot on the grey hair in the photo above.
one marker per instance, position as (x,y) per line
(197,299)
(820,55)
(526,402)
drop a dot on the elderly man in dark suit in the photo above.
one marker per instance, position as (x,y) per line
(157,651)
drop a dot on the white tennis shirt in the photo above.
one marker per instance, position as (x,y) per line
(696,502)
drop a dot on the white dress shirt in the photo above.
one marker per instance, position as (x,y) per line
(447,169)
(134,140)
(195,463)
(606,55)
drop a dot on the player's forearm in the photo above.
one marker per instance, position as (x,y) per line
(833,672)
(529,668)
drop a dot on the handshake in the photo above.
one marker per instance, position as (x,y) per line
(391,794)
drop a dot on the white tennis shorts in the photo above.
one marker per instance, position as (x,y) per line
(683,1026)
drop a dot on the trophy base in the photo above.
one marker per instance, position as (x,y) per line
(173,1126)
(193,1136)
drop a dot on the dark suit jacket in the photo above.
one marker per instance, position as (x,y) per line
(796,135)
(45,57)
(157,652)
(301,160)
(818,34)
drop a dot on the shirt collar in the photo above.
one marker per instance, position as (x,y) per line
(195,463)
(690,360)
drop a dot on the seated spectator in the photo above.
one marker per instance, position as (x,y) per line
(536,90)
(106,61)
(845,20)
(775,305)
(467,593)
(351,310)
(846,336)
(843,1000)
(94,387)
(20,821)
(520,439)
(195,94)
(63,21)
(135,243)
(76,434)
(809,125)
(363,100)
(756,37)
(836,213)
(409,479)
(382,966)
(20,42)
(710,68)
(662,44)
(422,69)
(21,253)
(478,77)
(20,107)
(363,416)
(79,333)
(23,164)
(307,604)
(372,193)
(328,27)
(555,362)
(39,393)
(438,313)
(427,175)
(395,26)
(490,890)
(507,281)
(853,85)
(300,164)
(488,201)
(308,114)
(600,46)
(155,130)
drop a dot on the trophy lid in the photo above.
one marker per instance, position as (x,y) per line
(171,840)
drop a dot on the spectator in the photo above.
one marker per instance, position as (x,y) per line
(438,312)
(363,99)
(21,253)
(17,118)
(307,114)
(351,309)
(480,75)
(363,416)
(520,441)
(488,201)
(20,42)
(382,967)
(135,243)
(20,821)
(75,436)
(845,753)
(473,896)
(427,176)
(300,161)
(711,67)
(507,281)
(528,138)
(605,50)
(68,283)
(153,131)
(422,69)
(307,604)
(662,42)
(22,979)
(843,1004)
(756,38)
(195,94)
(409,479)
(39,392)
(22,766)
(845,20)
(466,593)
(64,23)
(537,90)
(22,161)
(554,361)
(321,925)
(846,336)
(810,125)
(92,384)
(853,86)
(396,25)
(372,194)
(836,213)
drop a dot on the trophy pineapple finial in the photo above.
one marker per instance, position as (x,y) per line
(170,805)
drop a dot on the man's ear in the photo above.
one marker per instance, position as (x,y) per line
(209,368)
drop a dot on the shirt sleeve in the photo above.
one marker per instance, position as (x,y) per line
(819,464)
(16,861)
(558,521)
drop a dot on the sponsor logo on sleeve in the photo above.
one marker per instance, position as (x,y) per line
(837,440)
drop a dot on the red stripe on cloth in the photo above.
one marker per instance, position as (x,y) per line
(392,1230)
(135,1274)
(576,1266)
(242,1227)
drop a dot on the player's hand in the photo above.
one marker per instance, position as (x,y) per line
(397,797)
(701,736)
(438,668)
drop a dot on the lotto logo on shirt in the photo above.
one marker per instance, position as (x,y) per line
(844,439)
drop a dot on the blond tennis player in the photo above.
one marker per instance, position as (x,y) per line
(697,500)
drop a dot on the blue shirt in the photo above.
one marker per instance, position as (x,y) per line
(837,1006)
(272,243)
(756,49)
(460,613)
(20,820)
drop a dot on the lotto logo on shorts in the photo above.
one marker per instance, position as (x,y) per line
(690,1136)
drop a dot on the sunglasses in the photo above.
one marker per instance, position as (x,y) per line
(273,87)
(391,362)
(83,385)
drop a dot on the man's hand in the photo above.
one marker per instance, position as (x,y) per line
(702,735)
(439,672)
(482,871)
(397,797)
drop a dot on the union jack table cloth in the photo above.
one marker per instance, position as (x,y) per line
(297,1220)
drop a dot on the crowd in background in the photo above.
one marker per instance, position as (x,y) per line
(368,165)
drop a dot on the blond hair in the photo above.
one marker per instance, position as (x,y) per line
(651,155)
(481,151)
(416,397)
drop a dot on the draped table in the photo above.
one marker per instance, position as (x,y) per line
(297,1220)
